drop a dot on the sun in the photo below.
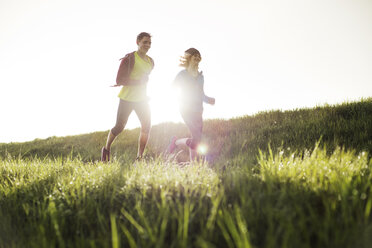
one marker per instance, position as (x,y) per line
(163,103)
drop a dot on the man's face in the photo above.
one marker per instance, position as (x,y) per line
(144,44)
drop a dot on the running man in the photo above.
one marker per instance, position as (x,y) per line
(133,75)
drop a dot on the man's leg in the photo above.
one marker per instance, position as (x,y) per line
(124,110)
(142,142)
(110,138)
(144,115)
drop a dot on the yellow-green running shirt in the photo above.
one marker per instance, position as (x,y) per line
(137,93)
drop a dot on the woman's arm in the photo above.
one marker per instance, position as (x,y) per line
(207,99)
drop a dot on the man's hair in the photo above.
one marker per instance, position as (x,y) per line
(141,35)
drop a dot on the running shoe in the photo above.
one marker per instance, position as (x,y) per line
(105,155)
(137,161)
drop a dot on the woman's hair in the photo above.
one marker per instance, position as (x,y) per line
(141,35)
(185,60)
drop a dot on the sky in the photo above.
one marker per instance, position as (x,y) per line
(58,58)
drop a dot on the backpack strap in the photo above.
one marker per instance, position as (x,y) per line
(126,67)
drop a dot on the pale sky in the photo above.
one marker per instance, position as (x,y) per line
(59,57)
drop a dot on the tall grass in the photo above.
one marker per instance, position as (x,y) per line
(278,179)
(307,200)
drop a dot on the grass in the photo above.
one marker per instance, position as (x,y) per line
(274,180)
(311,200)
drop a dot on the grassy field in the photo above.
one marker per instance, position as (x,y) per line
(298,178)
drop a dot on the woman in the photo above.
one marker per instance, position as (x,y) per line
(133,75)
(191,84)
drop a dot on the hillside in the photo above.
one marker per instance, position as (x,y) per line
(300,178)
(348,125)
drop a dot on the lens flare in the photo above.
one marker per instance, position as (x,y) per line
(202,149)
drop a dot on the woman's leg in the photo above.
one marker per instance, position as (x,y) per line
(187,142)
(194,122)
(193,154)
(182,142)
(144,115)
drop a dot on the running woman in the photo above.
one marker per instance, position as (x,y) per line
(191,84)
(133,75)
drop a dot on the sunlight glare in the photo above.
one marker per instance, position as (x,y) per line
(164,104)
(202,149)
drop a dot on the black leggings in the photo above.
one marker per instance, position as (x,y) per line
(125,108)
(194,122)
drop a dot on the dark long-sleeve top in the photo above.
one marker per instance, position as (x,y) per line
(191,91)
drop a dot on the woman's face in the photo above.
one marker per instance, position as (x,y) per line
(144,44)
(195,59)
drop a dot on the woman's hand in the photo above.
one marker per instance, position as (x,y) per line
(211,101)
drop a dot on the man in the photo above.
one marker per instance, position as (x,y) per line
(133,75)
